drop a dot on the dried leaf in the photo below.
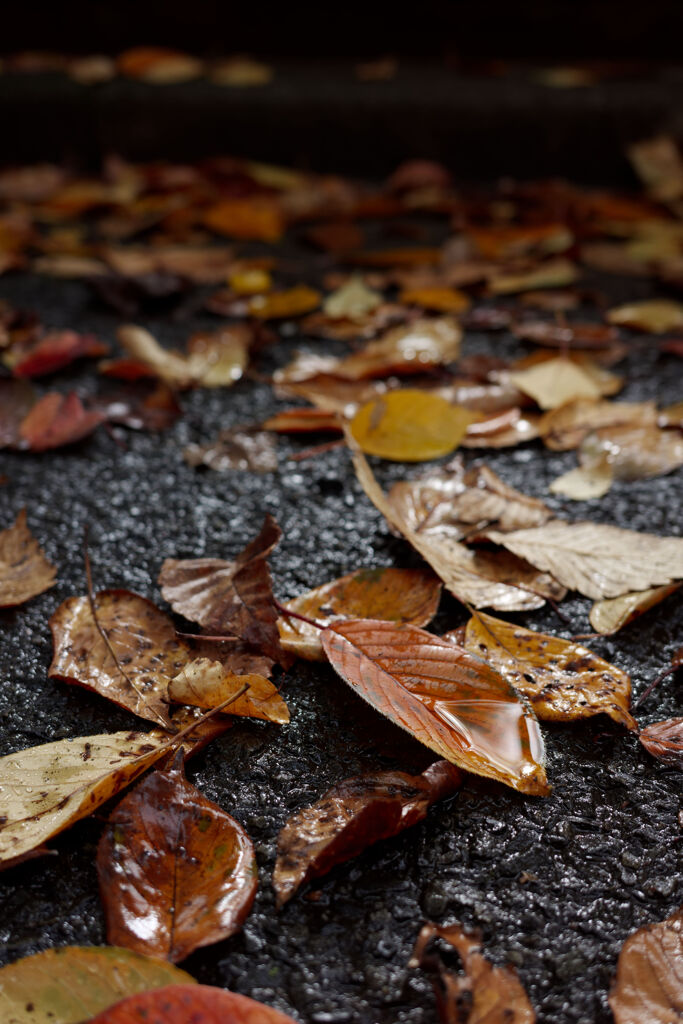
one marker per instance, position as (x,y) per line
(415,257)
(647,987)
(584,482)
(205,683)
(552,274)
(214,359)
(336,236)
(610,615)
(135,664)
(563,681)
(554,382)
(45,789)
(485,995)
(24,569)
(566,335)
(655,316)
(52,352)
(566,426)
(664,740)
(201,1004)
(57,420)
(412,348)
(17,398)
(409,426)
(176,872)
(352,816)
(143,405)
(435,299)
(502,430)
(353,299)
(283,305)
(69,984)
(508,241)
(303,421)
(258,218)
(657,162)
(240,448)
(394,595)
(633,452)
(332,394)
(158,64)
(453,703)
(596,559)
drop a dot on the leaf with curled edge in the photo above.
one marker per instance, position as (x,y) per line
(229,597)
(483,579)
(201,1004)
(136,663)
(485,994)
(206,684)
(565,427)
(664,740)
(69,984)
(24,569)
(611,614)
(397,595)
(214,359)
(648,987)
(563,681)
(353,815)
(455,704)
(176,872)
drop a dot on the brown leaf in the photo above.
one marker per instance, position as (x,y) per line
(176,872)
(330,393)
(134,667)
(142,405)
(664,740)
(56,420)
(633,452)
(24,569)
(229,597)
(17,398)
(303,421)
(554,382)
(567,335)
(452,702)
(655,316)
(206,684)
(552,274)
(608,616)
(395,595)
(409,425)
(158,64)
(563,681)
(352,816)
(336,236)
(180,1004)
(485,995)
(502,430)
(255,217)
(508,241)
(239,448)
(436,299)
(566,426)
(214,359)
(283,305)
(647,988)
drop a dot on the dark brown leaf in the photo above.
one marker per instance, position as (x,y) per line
(56,420)
(52,352)
(648,987)
(664,740)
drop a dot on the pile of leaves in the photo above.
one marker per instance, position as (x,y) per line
(392,380)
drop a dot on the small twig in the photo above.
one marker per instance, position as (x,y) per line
(560,614)
(318,449)
(213,639)
(655,682)
(288,613)
(180,736)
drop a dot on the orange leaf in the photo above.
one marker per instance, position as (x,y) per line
(201,1004)
(258,218)
(647,987)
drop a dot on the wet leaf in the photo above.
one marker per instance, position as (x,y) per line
(554,382)
(395,595)
(454,703)
(633,452)
(566,426)
(655,316)
(647,987)
(133,666)
(412,348)
(57,420)
(214,359)
(552,274)
(240,448)
(258,218)
(320,325)
(506,242)
(435,299)
(283,305)
(17,398)
(502,430)
(596,559)
(352,816)
(353,299)
(567,335)
(52,352)
(201,1004)
(229,597)
(176,872)
(484,995)
(664,740)
(409,425)
(303,421)
(563,681)
(69,984)
(584,482)
(611,614)
(45,789)
(479,578)
(205,683)
(24,569)
(332,394)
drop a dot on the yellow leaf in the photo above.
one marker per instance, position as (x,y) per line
(206,684)
(554,382)
(410,426)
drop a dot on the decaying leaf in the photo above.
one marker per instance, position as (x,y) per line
(584,482)
(353,299)
(136,661)
(555,381)
(69,984)
(596,559)
(57,420)
(239,448)
(176,872)
(565,427)
(609,615)
(563,681)
(566,335)
(17,398)
(352,816)
(52,352)
(633,452)
(141,405)
(206,684)
(484,994)
(233,598)
(395,595)
(45,789)
(647,987)
(215,359)
(303,421)
(201,1004)
(502,430)
(656,316)
(24,569)
(454,703)
(664,740)
(409,425)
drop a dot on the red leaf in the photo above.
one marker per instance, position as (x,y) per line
(198,1004)
(57,420)
(56,350)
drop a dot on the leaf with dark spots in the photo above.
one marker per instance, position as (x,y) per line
(664,740)
(242,448)
(648,987)
(176,872)
(200,1004)
(53,352)
(135,664)
(563,681)
(352,816)
(206,684)
(234,598)
(24,569)
(454,703)
(483,994)
(57,420)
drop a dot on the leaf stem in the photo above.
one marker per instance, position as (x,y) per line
(200,636)
(655,682)
(288,613)
(180,736)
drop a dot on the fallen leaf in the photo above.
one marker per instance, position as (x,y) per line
(303,421)
(201,1004)
(657,162)
(510,241)
(69,984)
(250,281)
(596,559)
(339,236)
(552,274)
(412,348)
(252,218)
(24,569)
(664,740)
(229,597)
(435,299)
(240,448)
(57,420)
(485,995)
(52,352)
(565,427)
(158,64)
(241,72)
(409,425)
(208,264)
(320,325)
(502,430)
(283,305)
(415,257)
(214,359)
(353,299)
(633,452)
(655,316)
(608,616)
(176,872)
(17,398)
(566,335)
(352,816)
(563,681)
(647,986)
(45,789)
(330,393)
(584,482)
(454,703)
(554,382)
(133,666)
(205,683)
(394,595)
(143,405)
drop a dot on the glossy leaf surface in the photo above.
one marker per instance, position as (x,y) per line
(664,740)
(206,684)
(200,1004)
(648,987)
(409,425)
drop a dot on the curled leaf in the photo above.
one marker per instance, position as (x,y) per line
(56,420)
(352,816)
(553,382)
(647,987)
(282,305)
(200,1004)
(656,316)
(409,426)
(206,684)
(664,740)
(633,452)
(24,569)
(609,615)
(214,359)
(566,426)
